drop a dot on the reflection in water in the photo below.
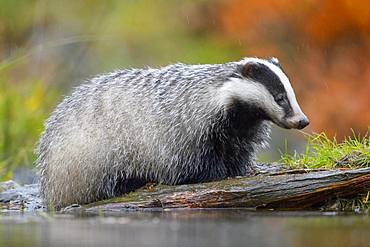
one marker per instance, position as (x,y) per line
(187,228)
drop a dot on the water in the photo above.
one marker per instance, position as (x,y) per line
(187,228)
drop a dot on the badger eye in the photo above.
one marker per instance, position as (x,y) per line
(280,99)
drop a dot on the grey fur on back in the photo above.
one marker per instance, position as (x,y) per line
(123,129)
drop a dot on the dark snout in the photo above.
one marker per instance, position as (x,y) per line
(303,123)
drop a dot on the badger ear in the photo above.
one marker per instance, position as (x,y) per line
(274,60)
(250,69)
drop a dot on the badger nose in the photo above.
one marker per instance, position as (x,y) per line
(303,123)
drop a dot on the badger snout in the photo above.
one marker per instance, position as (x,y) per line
(298,122)
(303,123)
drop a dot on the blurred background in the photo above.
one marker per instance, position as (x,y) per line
(47,47)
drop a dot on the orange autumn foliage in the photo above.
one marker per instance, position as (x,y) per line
(324,46)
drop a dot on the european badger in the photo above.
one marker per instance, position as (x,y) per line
(173,125)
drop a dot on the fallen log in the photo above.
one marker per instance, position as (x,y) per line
(273,188)
(289,189)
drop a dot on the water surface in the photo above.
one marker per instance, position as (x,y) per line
(187,228)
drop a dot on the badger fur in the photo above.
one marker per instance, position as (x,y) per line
(173,125)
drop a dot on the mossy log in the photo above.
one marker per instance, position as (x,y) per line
(289,189)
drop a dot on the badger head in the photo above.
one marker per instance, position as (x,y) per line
(263,85)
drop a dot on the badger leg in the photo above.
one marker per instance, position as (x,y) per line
(127,185)
(70,185)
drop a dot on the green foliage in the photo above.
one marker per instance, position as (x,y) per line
(23,108)
(323,152)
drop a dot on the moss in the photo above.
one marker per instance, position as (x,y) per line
(130,197)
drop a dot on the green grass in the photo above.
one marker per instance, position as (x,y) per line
(323,152)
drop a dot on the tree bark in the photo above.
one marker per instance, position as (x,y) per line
(292,189)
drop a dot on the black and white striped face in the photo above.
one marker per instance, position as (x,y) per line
(263,83)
